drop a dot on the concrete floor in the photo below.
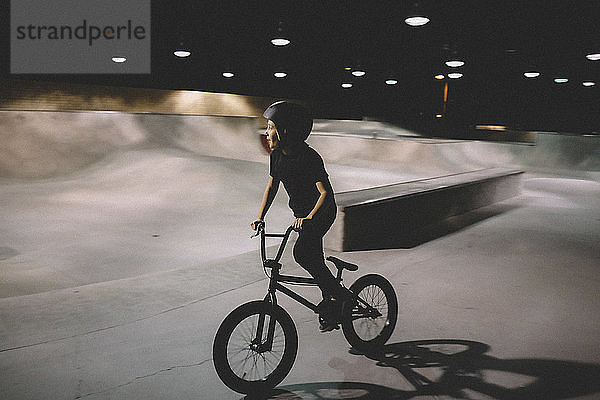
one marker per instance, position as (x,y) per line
(115,279)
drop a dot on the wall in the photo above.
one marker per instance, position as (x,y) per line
(57,96)
(42,144)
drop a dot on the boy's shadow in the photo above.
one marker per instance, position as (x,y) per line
(452,368)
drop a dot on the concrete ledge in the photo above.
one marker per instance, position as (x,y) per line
(395,216)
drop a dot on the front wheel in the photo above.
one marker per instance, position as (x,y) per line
(255,347)
(369,321)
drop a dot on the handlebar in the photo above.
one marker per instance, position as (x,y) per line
(260,230)
(259,227)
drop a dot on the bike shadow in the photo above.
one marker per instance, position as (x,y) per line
(453,368)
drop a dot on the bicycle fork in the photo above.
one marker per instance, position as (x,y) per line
(257,343)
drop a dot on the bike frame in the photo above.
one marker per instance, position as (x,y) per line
(276,281)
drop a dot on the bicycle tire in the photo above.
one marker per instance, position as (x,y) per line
(367,333)
(238,364)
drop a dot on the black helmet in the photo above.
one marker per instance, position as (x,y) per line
(292,120)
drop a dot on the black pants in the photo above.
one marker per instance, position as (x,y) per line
(308,250)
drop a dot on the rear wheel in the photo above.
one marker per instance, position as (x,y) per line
(245,358)
(369,323)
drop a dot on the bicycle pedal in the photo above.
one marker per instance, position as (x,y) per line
(329,328)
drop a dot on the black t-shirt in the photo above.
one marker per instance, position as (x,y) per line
(299,174)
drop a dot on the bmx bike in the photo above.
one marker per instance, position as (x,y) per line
(256,344)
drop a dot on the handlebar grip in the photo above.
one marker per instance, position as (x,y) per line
(258,227)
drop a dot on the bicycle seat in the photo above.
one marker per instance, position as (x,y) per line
(342,264)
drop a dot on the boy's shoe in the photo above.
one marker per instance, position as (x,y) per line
(330,314)
(326,325)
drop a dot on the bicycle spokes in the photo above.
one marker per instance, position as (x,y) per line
(253,353)
(255,347)
(370,321)
(372,317)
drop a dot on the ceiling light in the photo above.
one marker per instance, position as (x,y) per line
(561,80)
(455,75)
(280,41)
(347,68)
(438,115)
(588,83)
(593,56)
(439,77)
(119,59)
(455,63)
(416,21)
(358,73)
(391,82)
(280,74)
(346,85)
(532,74)
(228,74)
(182,53)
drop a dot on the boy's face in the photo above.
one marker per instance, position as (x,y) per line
(272,136)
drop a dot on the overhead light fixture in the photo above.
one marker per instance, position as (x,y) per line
(181,49)
(347,68)
(593,56)
(418,20)
(561,80)
(280,74)
(182,53)
(346,85)
(391,82)
(280,41)
(532,74)
(358,73)
(439,77)
(119,59)
(455,63)
(589,83)
(438,115)
(228,74)
(455,75)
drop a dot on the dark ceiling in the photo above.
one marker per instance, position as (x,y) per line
(498,40)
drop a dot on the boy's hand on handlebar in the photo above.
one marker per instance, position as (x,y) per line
(257,223)
(298,223)
(256,226)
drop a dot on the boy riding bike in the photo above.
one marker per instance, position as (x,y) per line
(302,172)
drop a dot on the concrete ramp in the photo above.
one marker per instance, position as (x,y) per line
(39,144)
